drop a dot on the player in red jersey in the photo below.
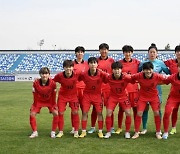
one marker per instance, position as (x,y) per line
(130,66)
(93,79)
(172,65)
(148,80)
(118,95)
(104,63)
(173,100)
(79,66)
(44,95)
(68,94)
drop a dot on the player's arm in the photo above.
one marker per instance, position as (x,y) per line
(163,79)
(164,68)
(35,94)
(105,77)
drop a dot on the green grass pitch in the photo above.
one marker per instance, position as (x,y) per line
(15,101)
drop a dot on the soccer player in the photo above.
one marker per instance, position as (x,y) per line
(68,94)
(104,64)
(148,81)
(159,67)
(79,66)
(93,79)
(171,64)
(44,95)
(118,95)
(130,66)
(173,100)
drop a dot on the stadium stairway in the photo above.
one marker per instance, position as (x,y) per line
(16,63)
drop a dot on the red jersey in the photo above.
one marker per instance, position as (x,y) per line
(148,87)
(78,68)
(68,85)
(105,65)
(44,95)
(118,87)
(93,83)
(131,67)
(174,79)
(172,65)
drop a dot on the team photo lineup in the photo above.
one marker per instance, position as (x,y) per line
(127,84)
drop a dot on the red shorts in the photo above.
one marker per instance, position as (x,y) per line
(94,99)
(38,109)
(105,96)
(62,102)
(155,104)
(123,103)
(172,103)
(133,98)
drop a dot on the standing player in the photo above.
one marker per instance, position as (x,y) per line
(172,65)
(93,80)
(159,67)
(173,99)
(44,92)
(79,66)
(67,93)
(104,64)
(118,95)
(148,92)
(130,66)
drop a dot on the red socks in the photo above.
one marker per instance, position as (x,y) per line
(33,123)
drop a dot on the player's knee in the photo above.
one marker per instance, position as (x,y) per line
(109,113)
(139,114)
(61,113)
(128,113)
(55,113)
(32,114)
(74,112)
(156,113)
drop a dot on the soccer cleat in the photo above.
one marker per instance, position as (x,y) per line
(165,136)
(144,131)
(83,134)
(76,135)
(92,130)
(34,134)
(60,134)
(100,135)
(127,135)
(158,136)
(72,131)
(53,134)
(112,131)
(119,130)
(173,131)
(108,135)
(136,135)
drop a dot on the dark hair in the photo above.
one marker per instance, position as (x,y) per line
(147,65)
(177,48)
(92,59)
(44,70)
(116,65)
(127,48)
(104,45)
(68,63)
(152,46)
(79,48)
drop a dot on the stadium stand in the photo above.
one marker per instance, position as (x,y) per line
(31,62)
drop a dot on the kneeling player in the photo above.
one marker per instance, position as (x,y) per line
(44,92)
(148,80)
(173,99)
(118,95)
